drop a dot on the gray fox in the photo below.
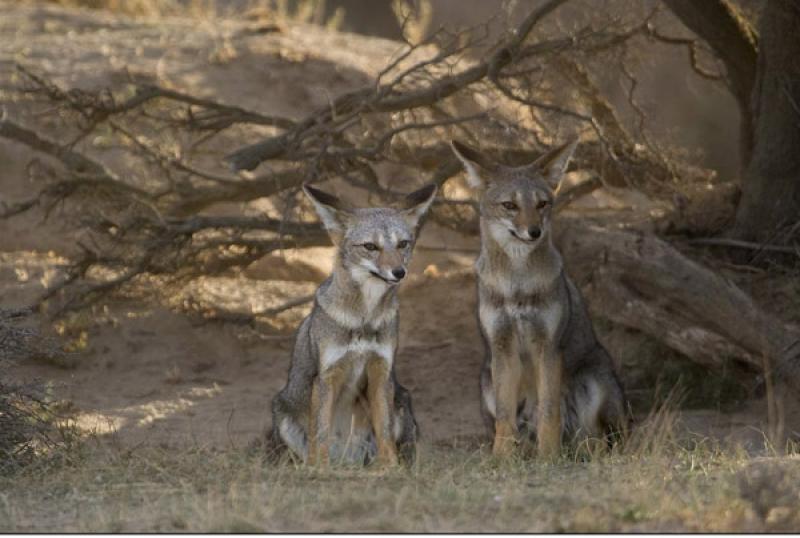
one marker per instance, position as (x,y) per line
(342,401)
(545,375)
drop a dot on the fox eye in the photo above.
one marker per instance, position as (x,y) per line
(402,244)
(542,204)
(370,246)
(511,206)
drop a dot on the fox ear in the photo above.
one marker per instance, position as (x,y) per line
(417,203)
(475,163)
(331,210)
(554,163)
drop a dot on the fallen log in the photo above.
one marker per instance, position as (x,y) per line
(640,281)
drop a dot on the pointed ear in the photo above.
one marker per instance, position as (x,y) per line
(554,163)
(333,213)
(416,205)
(476,164)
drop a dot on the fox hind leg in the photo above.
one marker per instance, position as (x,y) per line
(488,400)
(294,436)
(405,429)
(548,420)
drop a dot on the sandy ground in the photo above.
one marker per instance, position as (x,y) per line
(149,374)
(153,376)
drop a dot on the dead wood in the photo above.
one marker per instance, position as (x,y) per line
(640,281)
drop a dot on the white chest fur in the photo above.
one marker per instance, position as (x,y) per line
(372,290)
(358,349)
(544,318)
(517,278)
(513,282)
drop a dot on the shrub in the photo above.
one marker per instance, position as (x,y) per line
(25,420)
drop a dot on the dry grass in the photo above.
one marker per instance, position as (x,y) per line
(100,488)
(661,478)
(26,421)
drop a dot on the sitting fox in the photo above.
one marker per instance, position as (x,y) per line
(342,401)
(545,373)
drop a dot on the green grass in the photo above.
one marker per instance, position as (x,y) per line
(98,488)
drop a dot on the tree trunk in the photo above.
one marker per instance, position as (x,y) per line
(771,183)
(730,35)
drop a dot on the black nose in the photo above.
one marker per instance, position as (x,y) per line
(535,232)
(399,273)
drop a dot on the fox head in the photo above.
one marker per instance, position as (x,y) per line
(517,202)
(373,242)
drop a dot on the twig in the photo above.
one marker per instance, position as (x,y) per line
(101,110)
(447,249)
(416,348)
(580,190)
(74,161)
(288,305)
(738,243)
(235,317)
(692,46)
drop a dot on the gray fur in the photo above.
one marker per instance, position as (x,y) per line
(527,302)
(354,320)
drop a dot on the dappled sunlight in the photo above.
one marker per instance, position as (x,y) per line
(111,421)
(162,409)
(244,296)
(237,296)
(25,274)
(95,423)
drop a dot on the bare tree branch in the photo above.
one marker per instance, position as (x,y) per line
(377,99)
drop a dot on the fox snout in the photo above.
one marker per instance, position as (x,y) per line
(528,225)
(532,233)
(390,266)
(394,275)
